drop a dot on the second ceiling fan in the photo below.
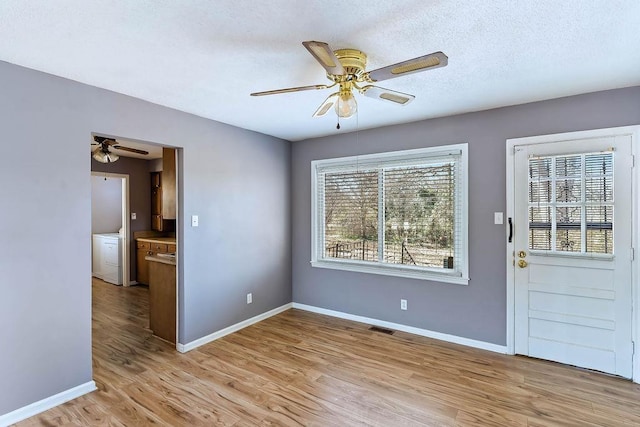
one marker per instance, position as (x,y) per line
(346,69)
(104,155)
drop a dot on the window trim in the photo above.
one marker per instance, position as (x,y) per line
(388,269)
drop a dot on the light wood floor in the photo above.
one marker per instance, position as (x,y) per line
(299,368)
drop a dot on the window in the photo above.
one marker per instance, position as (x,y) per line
(401,213)
(571,204)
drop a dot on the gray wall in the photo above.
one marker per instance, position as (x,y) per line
(476,311)
(139,196)
(236,180)
(155,165)
(106,204)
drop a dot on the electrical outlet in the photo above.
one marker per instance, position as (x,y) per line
(249,298)
(403,304)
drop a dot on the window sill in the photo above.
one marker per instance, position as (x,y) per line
(392,270)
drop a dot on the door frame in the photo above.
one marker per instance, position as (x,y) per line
(511,145)
(126,225)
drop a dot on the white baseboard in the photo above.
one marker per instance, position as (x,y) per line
(47,403)
(183,348)
(410,329)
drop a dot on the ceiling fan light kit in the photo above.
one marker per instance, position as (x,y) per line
(346,69)
(346,105)
(104,156)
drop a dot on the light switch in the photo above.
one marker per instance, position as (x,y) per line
(498,218)
(133,215)
(194,220)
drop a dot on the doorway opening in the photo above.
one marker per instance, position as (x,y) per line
(110,227)
(146,228)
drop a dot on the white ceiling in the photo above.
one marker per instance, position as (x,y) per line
(205,57)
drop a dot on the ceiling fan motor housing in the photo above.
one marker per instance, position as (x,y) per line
(353,61)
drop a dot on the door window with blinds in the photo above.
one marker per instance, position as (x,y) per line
(400,213)
(571,204)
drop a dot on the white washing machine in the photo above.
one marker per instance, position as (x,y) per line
(107,253)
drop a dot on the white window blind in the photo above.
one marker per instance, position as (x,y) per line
(401,213)
(571,203)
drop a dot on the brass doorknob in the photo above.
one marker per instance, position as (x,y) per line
(522,263)
(522,254)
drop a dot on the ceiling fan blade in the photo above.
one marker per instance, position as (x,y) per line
(101,140)
(325,56)
(289,89)
(326,105)
(387,95)
(132,150)
(421,63)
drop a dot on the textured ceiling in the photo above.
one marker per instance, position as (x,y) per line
(205,57)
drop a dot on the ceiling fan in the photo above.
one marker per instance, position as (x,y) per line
(346,69)
(102,153)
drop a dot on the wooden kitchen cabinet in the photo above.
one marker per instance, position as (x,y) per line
(159,248)
(163,193)
(156,222)
(156,180)
(143,249)
(150,247)
(156,193)
(168,183)
(162,298)
(156,201)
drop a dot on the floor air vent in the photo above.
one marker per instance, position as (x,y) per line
(383,330)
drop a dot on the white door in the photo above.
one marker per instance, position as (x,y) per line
(573,252)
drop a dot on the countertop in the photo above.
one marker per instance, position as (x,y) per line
(161,240)
(161,259)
